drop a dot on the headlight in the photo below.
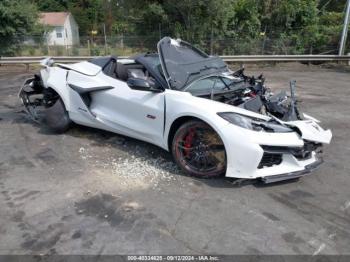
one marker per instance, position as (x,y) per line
(254,124)
(238,120)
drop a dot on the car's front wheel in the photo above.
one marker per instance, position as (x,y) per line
(199,150)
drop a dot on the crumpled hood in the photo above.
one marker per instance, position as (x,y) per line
(310,130)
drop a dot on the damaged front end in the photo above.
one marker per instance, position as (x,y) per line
(32,97)
(251,94)
(289,143)
(36,98)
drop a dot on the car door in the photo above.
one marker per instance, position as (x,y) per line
(134,113)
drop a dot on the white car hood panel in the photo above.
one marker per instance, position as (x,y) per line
(214,106)
(310,130)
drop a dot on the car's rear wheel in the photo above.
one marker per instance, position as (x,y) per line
(57,118)
(199,150)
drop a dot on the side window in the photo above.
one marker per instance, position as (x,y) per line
(205,85)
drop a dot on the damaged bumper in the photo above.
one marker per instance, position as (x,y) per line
(288,163)
(293,175)
(31,96)
(274,157)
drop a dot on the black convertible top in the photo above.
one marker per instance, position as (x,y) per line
(102,61)
(149,61)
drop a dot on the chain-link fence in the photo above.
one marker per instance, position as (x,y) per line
(129,45)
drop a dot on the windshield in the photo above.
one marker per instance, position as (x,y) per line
(182,63)
(215,84)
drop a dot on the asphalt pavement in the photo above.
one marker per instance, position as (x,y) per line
(94,192)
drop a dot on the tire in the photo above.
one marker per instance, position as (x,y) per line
(57,118)
(198,150)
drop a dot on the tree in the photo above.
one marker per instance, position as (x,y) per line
(230,26)
(17,18)
(89,14)
(200,20)
(332,5)
(52,5)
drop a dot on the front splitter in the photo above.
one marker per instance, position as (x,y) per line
(308,169)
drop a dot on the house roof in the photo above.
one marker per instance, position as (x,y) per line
(53,18)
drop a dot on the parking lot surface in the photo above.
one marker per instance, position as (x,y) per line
(94,192)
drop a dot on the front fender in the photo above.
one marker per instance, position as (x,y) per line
(182,104)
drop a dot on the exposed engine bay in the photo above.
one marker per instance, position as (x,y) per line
(251,94)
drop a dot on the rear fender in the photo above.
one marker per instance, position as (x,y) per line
(57,80)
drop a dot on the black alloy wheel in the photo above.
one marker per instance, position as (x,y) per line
(199,150)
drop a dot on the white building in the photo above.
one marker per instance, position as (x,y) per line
(62,29)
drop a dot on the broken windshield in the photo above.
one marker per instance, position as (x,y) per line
(182,63)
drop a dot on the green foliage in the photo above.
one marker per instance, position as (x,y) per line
(17,18)
(59,50)
(332,5)
(75,51)
(246,21)
(52,5)
(44,50)
(95,51)
(218,26)
(31,51)
(151,17)
(197,21)
(89,14)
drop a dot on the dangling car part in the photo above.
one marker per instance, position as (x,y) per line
(214,121)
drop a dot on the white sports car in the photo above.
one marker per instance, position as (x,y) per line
(214,121)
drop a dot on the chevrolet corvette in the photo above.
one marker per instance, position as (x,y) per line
(214,121)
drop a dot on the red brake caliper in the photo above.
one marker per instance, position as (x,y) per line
(188,142)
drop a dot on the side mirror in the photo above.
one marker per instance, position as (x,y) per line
(142,85)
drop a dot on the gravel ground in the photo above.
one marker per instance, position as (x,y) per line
(94,192)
